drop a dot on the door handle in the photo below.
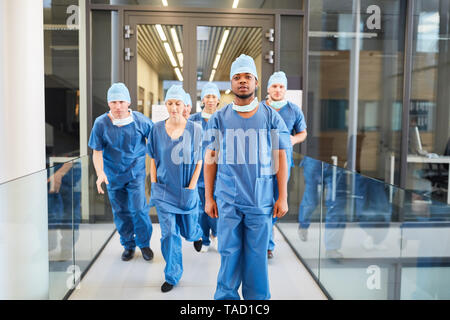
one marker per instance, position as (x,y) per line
(269,57)
(128,54)
(269,35)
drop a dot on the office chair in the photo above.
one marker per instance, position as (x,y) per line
(437,174)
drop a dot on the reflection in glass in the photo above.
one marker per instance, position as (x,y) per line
(429,115)
(355,85)
(62,94)
(370,240)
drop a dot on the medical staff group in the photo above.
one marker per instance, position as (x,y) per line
(218,177)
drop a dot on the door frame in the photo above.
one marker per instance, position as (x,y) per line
(121,9)
(189,22)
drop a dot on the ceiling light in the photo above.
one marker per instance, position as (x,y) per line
(179,75)
(213,73)
(216,61)
(164,2)
(235,4)
(175,40)
(180,59)
(170,54)
(223,41)
(161,32)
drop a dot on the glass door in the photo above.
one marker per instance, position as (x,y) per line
(219,42)
(162,49)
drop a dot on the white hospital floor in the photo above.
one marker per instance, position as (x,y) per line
(110,278)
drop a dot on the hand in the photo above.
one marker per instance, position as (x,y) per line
(211,208)
(100,179)
(292,140)
(55,182)
(280,208)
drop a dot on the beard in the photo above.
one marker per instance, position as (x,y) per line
(245,96)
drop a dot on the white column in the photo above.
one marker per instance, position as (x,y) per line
(24,265)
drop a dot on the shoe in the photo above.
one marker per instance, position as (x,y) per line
(303,234)
(147,253)
(198,245)
(128,254)
(333,254)
(269,254)
(166,287)
(204,248)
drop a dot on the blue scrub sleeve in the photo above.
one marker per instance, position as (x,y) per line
(151,143)
(148,125)
(96,139)
(211,134)
(300,123)
(198,137)
(284,138)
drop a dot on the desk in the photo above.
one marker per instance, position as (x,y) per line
(412,158)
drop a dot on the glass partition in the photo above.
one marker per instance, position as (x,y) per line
(79,224)
(365,239)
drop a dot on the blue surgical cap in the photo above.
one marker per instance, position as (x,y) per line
(277,78)
(118,92)
(176,92)
(187,100)
(243,64)
(210,88)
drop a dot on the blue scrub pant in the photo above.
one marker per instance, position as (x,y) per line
(243,240)
(130,210)
(271,241)
(173,226)
(336,209)
(207,223)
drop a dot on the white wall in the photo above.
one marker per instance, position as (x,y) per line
(23,202)
(149,80)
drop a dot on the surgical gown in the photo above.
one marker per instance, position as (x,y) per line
(244,192)
(295,122)
(124,150)
(208,224)
(177,206)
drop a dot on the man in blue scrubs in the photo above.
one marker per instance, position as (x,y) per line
(118,139)
(247,154)
(294,119)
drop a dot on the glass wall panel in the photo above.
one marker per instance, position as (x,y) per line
(105,71)
(355,84)
(222,4)
(62,95)
(429,115)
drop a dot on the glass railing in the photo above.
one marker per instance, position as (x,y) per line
(361,238)
(80,223)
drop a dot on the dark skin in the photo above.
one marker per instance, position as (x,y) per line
(243,86)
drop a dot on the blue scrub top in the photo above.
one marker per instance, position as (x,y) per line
(197,118)
(245,176)
(175,161)
(123,147)
(295,122)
